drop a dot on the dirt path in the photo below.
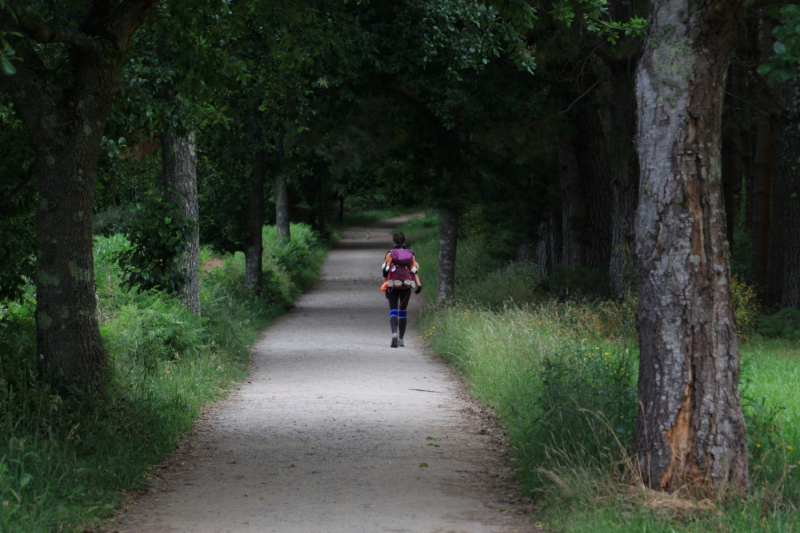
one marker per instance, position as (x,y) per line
(330,432)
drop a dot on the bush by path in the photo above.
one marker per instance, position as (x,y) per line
(66,462)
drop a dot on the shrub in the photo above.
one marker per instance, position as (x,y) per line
(583,404)
(745,305)
(153,328)
(158,235)
(784,324)
(517,281)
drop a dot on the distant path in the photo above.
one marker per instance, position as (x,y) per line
(329,432)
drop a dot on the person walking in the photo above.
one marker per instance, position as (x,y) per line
(400,272)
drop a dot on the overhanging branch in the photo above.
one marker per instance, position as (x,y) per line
(37,30)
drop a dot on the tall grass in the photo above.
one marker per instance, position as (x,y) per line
(65,460)
(562,375)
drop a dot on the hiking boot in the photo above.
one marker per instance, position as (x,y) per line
(400,343)
(394,340)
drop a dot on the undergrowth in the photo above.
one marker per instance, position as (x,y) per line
(561,373)
(65,461)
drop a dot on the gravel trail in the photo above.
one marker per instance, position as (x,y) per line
(331,431)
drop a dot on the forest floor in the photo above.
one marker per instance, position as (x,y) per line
(335,431)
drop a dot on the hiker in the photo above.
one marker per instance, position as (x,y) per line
(400,275)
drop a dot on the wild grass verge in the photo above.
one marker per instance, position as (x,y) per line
(65,462)
(562,376)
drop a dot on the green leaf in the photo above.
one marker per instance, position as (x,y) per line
(764,69)
(25,480)
(9,67)
(782,75)
(779,47)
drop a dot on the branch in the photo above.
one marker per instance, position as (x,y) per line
(595,84)
(41,32)
(128,17)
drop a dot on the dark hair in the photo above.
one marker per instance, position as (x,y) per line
(399,239)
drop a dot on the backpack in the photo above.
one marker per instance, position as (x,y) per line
(400,271)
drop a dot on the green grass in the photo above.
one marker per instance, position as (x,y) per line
(64,461)
(562,377)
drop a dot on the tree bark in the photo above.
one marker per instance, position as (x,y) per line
(548,249)
(253,254)
(786,202)
(448,242)
(179,160)
(573,208)
(761,205)
(65,115)
(624,178)
(591,152)
(732,171)
(282,226)
(690,431)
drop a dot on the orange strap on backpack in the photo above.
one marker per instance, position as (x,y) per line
(383,287)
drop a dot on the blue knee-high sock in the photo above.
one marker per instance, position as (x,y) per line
(393,320)
(403,320)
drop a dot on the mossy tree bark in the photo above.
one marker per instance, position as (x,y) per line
(253,255)
(65,113)
(283,229)
(179,160)
(690,431)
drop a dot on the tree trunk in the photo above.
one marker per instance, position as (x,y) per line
(448,242)
(624,178)
(253,254)
(732,171)
(282,227)
(65,114)
(786,202)
(68,336)
(179,160)
(548,250)
(594,168)
(690,432)
(761,205)
(573,208)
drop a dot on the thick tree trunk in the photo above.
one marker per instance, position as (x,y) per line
(253,254)
(65,114)
(179,160)
(573,208)
(594,168)
(625,179)
(786,201)
(281,194)
(68,336)
(448,242)
(690,431)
